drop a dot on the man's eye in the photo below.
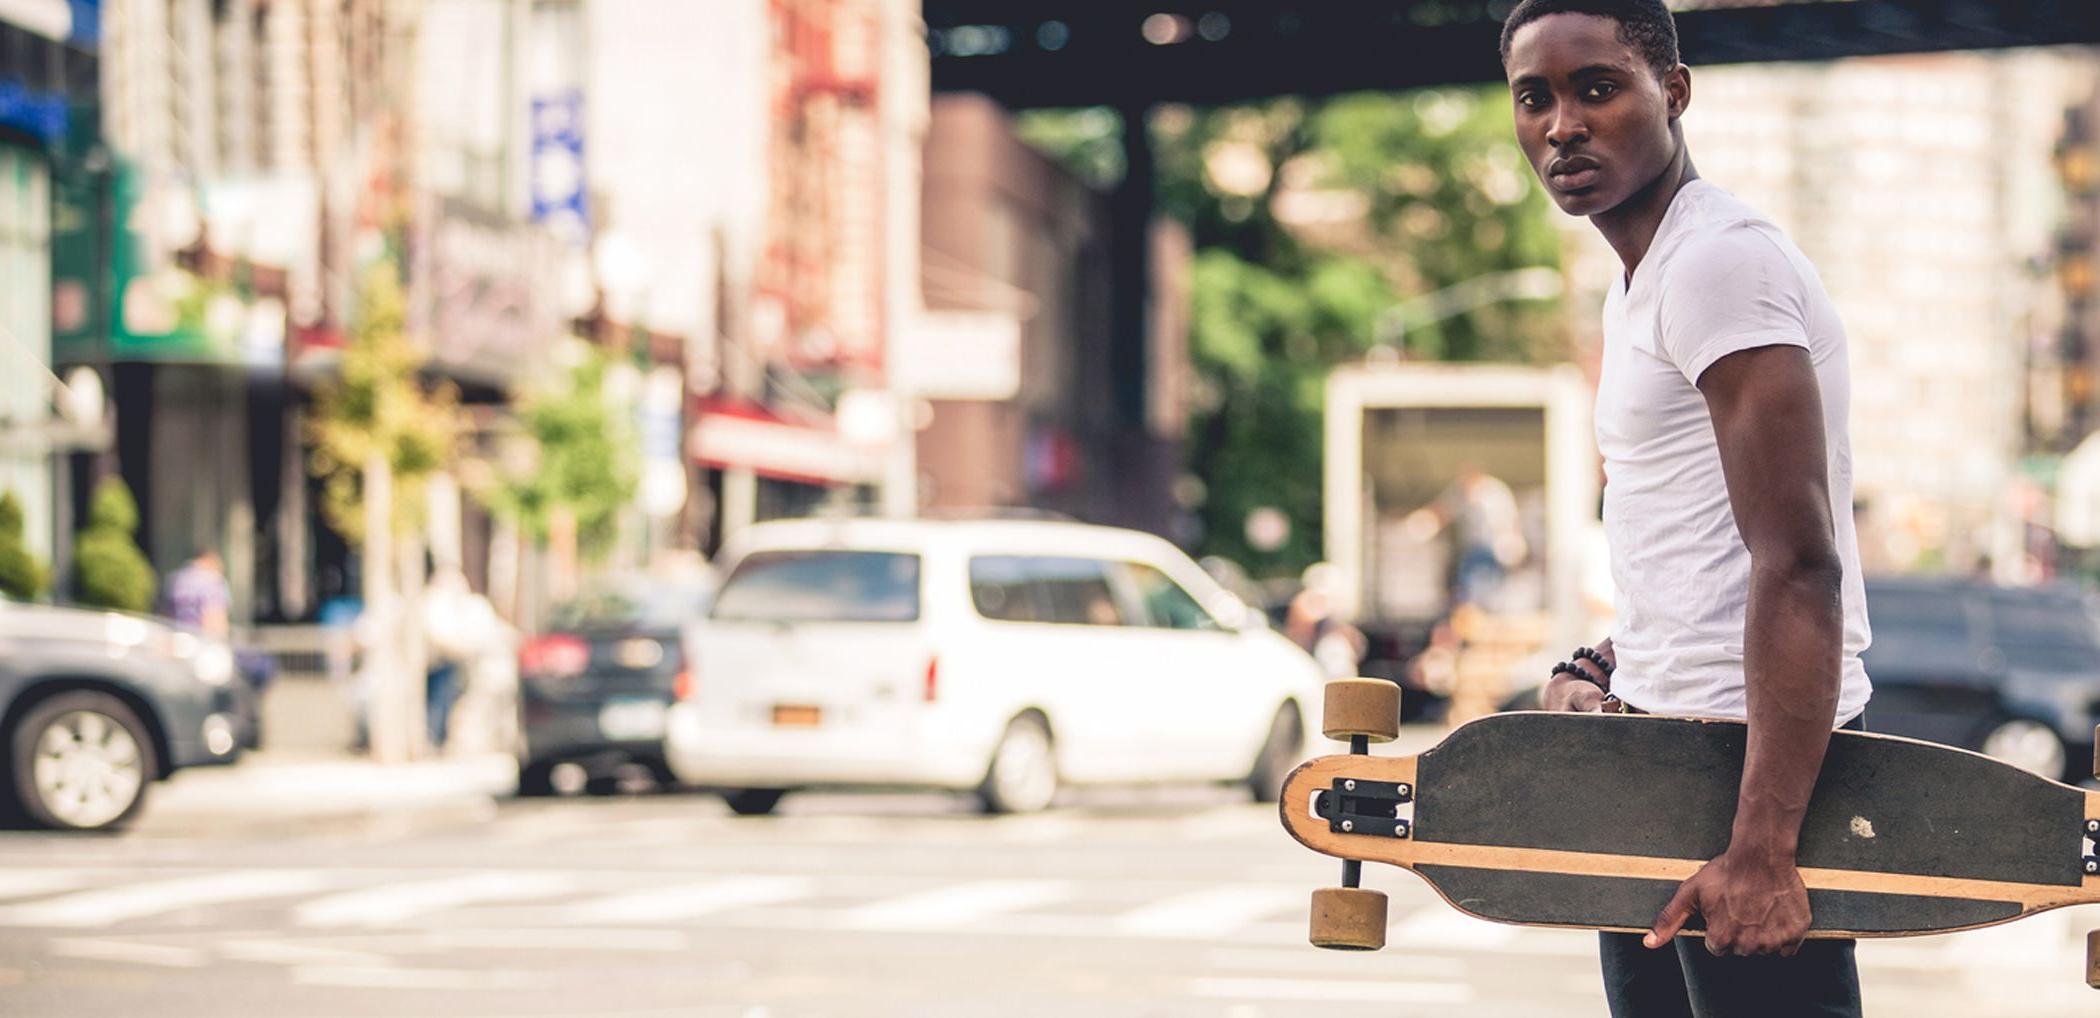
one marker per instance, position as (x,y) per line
(1530,100)
(1602,90)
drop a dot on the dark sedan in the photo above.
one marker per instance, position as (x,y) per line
(96,706)
(594,688)
(2012,672)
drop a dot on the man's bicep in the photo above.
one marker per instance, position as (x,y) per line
(1767,410)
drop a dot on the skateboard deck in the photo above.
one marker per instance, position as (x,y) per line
(1591,821)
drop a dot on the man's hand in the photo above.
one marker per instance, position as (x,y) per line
(1752,904)
(1570,693)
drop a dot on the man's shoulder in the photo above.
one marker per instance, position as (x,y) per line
(1730,251)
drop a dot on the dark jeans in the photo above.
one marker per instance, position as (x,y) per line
(1689,982)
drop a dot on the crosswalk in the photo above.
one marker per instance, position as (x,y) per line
(548,905)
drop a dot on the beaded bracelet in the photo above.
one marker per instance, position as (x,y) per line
(1590,654)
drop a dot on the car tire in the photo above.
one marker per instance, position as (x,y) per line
(84,742)
(1279,753)
(2028,744)
(753,802)
(536,779)
(1022,777)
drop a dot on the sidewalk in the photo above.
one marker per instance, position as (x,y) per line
(289,791)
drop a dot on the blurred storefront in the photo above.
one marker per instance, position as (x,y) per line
(51,70)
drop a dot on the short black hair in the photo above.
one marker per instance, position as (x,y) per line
(1645,25)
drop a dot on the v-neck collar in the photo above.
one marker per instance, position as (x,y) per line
(1620,282)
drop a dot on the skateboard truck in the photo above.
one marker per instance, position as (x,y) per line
(1363,711)
(1355,806)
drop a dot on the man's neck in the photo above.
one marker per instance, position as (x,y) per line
(1630,226)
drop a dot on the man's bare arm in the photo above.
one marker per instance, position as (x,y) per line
(1768,419)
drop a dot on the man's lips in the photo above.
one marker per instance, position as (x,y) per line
(1573,174)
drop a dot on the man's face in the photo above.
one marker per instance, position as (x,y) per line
(1591,114)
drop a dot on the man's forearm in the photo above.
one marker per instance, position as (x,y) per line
(1793,643)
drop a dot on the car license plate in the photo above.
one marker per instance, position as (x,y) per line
(796,716)
(631,718)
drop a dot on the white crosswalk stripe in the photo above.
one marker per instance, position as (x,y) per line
(1447,929)
(157,897)
(396,903)
(955,905)
(28,883)
(1334,990)
(1213,911)
(691,901)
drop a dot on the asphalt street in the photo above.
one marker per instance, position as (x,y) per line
(1164,903)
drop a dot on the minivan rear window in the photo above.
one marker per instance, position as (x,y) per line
(821,586)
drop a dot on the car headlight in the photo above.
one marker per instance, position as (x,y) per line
(213,663)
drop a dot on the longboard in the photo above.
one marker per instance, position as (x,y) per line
(1591,821)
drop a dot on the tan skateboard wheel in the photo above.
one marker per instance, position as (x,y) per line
(1348,919)
(2092,959)
(1367,707)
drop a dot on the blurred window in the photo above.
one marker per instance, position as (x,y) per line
(633,604)
(1167,605)
(1919,633)
(821,586)
(2041,633)
(1002,589)
(1064,591)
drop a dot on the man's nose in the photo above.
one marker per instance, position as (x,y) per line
(1566,128)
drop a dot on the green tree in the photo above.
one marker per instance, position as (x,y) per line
(109,569)
(1311,220)
(380,406)
(582,464)
(22,577)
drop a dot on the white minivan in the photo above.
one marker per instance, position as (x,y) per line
(1002,657)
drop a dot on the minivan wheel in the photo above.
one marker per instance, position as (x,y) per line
(536,779)
(1022,777)
(1279,753)
(753,802)
(2029,745)
(82,762)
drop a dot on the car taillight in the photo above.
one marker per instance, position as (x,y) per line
(553,657)
(682,685)
(933,680)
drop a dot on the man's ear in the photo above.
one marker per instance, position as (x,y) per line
(1677,90)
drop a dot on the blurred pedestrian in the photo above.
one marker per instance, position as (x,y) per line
(459,626)
(1312,623)
(198,598)
(1487,532)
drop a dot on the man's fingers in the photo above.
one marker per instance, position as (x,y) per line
(1671,921)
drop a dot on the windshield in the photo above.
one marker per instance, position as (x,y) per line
(822,586)
(634,604)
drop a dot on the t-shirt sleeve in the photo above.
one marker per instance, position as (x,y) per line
(1732,291)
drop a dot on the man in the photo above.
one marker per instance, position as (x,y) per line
(1721,415)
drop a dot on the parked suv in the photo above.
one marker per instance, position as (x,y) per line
(94,706)
(1005,658)
(2012,672)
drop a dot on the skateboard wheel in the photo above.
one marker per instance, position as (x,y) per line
(1348,919)
(2092,959)
(1366,707)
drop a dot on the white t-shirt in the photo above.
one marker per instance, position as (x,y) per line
(1719,278)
